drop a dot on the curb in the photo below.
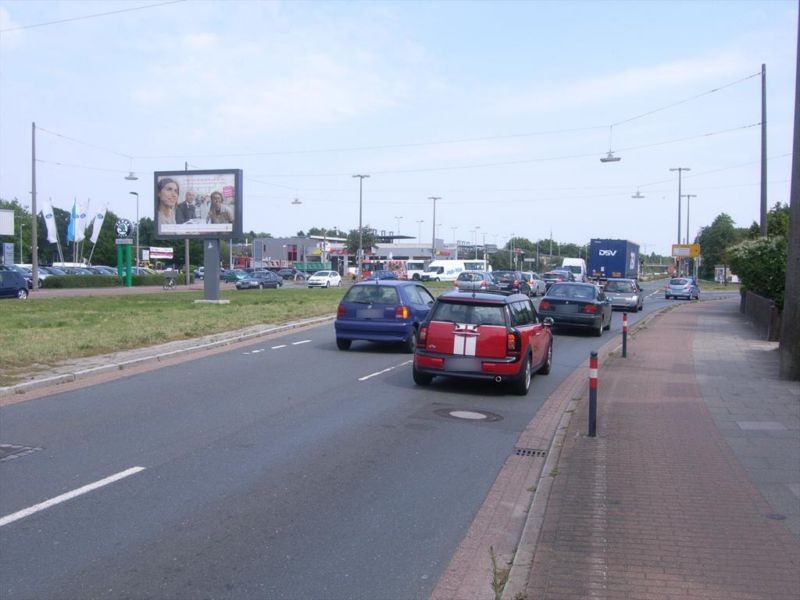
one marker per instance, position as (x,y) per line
(205,343)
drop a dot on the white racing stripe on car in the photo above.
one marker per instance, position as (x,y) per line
(376,373)
(26,512)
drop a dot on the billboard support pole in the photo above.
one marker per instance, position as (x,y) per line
(211,270)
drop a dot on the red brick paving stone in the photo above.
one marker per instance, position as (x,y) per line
(656,506)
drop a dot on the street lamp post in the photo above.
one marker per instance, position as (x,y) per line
(398,225)
(360,226)
(419,231)
(680,170)
(137,225)
(21,259)
(433,235)
(688,198)
(455,244)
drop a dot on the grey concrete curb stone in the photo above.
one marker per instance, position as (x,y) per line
(204,343)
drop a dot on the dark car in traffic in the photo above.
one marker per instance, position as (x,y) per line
(491,336)
(382,310)
(512,281)
(580,305)
(556,276)
(259,280)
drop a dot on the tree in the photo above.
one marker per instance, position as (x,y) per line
(777,222)
(761,265)
(368,238)
(714,240)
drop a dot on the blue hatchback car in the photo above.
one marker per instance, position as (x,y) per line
(383,310)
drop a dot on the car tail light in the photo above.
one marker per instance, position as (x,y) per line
(545,305)
(401,312)
(513,341)
(341,311)
(422,337)
(590,309)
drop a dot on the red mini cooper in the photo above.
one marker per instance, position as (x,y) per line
(484,335)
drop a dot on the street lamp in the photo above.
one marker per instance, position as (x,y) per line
(680,171)
(21,259)
(688,198)
(137,224)
(419,231)
(433,235)
(398,224)
(360,227)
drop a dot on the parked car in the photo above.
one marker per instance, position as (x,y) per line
(259,280)
(512,281)
(556,276)
(381,275)
(538,285)
(383,310)
(491,336)
(475,281)
(325,279)
(575,304)
(234,275)
(682,287)
(291,274)
(624,294)
(199,273)
(26,275)
(13,284)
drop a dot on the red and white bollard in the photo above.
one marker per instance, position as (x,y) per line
(624,335)
(593,394)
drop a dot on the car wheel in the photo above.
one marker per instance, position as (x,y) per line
(411,342)
(599,331)
(343,344)
(521,386)
(548,362)
(421,378)
(22,294)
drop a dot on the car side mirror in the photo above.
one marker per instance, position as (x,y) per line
(548,321)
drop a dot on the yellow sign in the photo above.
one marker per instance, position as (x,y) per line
(685,250)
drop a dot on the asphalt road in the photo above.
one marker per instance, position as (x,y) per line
(286,469)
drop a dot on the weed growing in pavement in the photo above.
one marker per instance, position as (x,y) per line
(554,472)
(499,576)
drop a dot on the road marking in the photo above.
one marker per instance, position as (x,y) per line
(408,362)
(301,342)
(276,347)
(26,512)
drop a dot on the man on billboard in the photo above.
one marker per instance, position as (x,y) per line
(186,209)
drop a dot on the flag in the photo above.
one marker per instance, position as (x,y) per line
(98,223)
(81,222)
(50,222)
(73,217)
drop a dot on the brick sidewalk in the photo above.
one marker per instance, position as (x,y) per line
(658,506)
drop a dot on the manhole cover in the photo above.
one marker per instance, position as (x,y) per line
(468,415)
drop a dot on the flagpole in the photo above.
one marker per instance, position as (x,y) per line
(55,227)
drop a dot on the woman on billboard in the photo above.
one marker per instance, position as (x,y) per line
(168,192)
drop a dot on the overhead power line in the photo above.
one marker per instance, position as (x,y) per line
(92,16)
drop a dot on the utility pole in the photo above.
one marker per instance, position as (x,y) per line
(680,170)
(433,236)
(688,198)
(34,230)
(764,150)
(360,260)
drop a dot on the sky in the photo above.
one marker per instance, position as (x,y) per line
(500,109)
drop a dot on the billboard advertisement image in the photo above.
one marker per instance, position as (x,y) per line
(198,204)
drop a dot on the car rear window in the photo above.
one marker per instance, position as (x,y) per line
(619,286)
(372,294)
(474,314)
(678,281)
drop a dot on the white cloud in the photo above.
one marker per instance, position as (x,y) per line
(200,41)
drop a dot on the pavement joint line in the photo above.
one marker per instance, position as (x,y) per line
(215,340)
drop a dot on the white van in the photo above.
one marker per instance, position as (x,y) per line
(577,266)
(448,270)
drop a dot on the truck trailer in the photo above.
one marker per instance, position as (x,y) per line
(613,258)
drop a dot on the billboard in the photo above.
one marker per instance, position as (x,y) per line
(198,204)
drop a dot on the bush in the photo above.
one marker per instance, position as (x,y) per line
(761,266)
(97,281)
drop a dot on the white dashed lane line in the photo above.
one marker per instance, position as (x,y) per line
(381,372)
(278,347)
(26,512)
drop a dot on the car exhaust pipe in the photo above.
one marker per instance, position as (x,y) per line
(498,379)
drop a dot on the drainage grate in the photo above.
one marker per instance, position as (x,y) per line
(529,452)
(10,452)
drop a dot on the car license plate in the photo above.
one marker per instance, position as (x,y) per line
(463,363)
(370,313)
